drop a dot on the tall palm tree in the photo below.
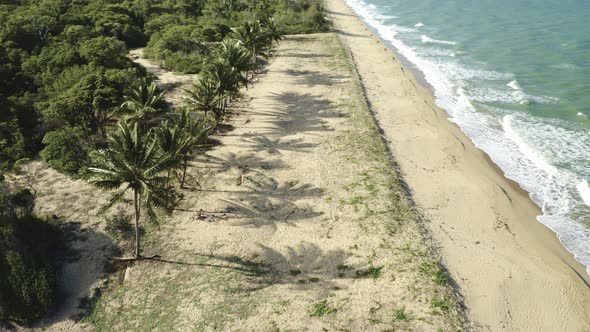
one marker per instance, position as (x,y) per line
(144,103)
(133,161)
(272,32)
(252,36)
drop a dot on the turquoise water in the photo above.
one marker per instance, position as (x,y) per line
(515,76)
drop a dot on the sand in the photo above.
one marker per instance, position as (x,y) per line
(512,271)
(299,224)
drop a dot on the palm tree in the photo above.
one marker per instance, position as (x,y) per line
(171,140)
(227,79)
(252,37)
(195,132)
(204,96)
(272,32)
(144,103)
(133,161)
(231,52)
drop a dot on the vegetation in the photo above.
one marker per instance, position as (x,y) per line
(64,65)
(133,161)
(69,93)
(321,309)
(27,266)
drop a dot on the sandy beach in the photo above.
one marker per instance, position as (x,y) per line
(512,271)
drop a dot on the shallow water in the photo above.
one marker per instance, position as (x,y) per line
(515,76)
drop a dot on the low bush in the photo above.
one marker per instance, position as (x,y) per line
(27,261)
(65,150)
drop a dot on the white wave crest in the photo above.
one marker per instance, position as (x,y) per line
(419,25)
(514,85)
(584,191)
(426,40)
(526,150)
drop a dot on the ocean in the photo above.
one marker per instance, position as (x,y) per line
(515,77)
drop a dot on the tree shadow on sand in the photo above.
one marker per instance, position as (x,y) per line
(240,161)
(300,113)
(312,77)
(84,261)
(259,142)
(265,202)
(304,267)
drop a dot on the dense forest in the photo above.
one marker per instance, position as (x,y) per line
(64,69)
(70,95)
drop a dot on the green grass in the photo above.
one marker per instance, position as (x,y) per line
(443,304)
(432,270)
(401,314)
(321,309)
(372,272)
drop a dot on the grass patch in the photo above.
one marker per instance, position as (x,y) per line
(443,304)
(372,272)
(432,270)
(401,314)
(321,309)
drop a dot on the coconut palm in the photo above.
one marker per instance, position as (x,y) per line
(144,103)
(133,161)
(235,55)
(252,36)
(204,96)
(195,133)
(272,32)
(227,79)
(171,139)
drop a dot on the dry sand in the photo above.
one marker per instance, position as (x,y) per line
(512,271)
(300,223)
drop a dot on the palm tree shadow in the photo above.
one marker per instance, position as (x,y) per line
(241,161)
(304,267)
(312,77)
(265,202)
(302,113)
(260,142)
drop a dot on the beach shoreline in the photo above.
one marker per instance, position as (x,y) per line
(512,270)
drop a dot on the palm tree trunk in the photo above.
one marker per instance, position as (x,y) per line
(184,169)
(137,214)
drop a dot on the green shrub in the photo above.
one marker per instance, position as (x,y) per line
(65,150)
(27,271)
(303,16)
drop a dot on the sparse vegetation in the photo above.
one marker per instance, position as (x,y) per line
(321,309)
(401,314)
